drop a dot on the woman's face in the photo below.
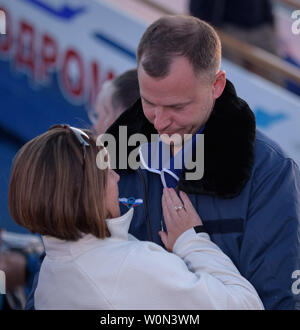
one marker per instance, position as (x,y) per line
(112,194)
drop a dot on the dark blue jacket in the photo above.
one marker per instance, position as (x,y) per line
(248,198)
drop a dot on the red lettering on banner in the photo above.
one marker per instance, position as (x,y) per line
(6,39)
(49,53)
(110,75)
(38,54)
(75,89)
(25,56)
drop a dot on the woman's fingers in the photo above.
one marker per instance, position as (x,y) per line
(169,202)
(177,220)
(190,207)
(174,197)
(176,207)
(187,202)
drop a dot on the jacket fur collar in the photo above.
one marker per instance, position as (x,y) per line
(229,138)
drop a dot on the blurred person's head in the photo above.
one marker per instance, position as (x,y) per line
(179,59)
(56,188)
(115,96)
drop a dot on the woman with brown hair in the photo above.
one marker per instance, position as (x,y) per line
(91,261)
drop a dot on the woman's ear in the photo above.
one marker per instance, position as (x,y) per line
(219,84)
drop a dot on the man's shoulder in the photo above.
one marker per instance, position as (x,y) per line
(266,149)
(270,158)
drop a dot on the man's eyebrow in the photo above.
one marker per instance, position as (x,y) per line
(146,100)
(178,104)
(169,105)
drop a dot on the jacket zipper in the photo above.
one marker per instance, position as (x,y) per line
(146,205)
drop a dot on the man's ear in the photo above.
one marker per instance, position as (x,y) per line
(219,84)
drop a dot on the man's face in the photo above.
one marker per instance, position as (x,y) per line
(178,103)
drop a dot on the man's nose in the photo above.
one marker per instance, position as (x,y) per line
(161,120)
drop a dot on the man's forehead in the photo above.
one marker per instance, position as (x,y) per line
(178,100)
(177,87)
(181,70)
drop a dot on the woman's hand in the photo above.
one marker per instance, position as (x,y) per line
(179,214)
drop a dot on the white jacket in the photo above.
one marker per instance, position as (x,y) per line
(121,272)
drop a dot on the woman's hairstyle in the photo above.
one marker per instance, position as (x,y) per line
(56,188)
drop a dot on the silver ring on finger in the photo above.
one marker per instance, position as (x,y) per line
(177,208)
